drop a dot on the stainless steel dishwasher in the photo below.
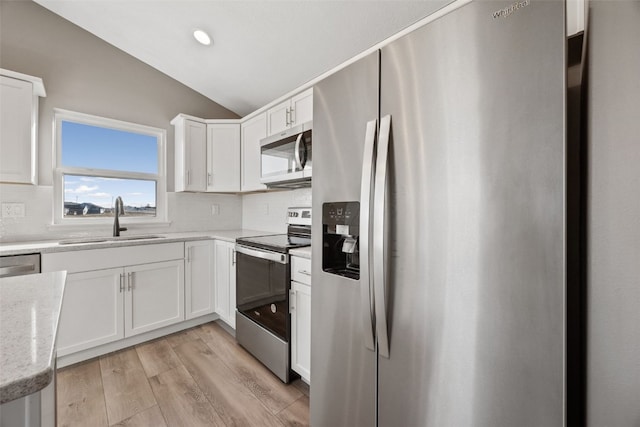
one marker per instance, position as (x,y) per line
(18,265)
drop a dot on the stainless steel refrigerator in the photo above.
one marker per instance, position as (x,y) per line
(439,226)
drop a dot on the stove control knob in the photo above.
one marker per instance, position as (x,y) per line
(273,308)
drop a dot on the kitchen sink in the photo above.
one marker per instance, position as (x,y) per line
(81,240)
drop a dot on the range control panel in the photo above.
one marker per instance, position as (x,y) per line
(299,216)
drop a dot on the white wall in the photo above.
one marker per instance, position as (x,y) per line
(186,211)
(613,220)
(268,211)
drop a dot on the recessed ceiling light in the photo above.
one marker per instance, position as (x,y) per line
(202,37)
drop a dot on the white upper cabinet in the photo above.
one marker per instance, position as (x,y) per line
(252,131)
(190,155)
(18,126)
(292,112)
(223,157)
(207,155)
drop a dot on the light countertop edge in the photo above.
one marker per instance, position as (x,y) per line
(29,316)
(51,246)
(304,252)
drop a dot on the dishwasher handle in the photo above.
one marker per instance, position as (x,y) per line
(19,265)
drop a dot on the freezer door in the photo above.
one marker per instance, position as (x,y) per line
(343,369)
(475,219)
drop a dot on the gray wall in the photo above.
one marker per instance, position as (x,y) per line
(83,73)
(613,306)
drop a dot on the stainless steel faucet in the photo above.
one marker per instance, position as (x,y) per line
(118,210)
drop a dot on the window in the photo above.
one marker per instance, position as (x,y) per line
(98,160)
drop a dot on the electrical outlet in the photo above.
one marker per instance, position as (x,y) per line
(215,209)
(12,210)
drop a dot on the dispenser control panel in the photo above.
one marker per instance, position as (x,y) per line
(340,237)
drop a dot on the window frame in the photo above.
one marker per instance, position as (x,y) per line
(59,170)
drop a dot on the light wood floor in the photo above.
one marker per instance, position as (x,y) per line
(198,377)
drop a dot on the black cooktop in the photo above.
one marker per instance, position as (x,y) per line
(275,242)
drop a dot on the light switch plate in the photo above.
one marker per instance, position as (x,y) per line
(215,209)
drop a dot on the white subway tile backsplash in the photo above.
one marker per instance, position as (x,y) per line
(268,211)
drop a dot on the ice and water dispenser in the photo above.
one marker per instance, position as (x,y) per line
(340,234)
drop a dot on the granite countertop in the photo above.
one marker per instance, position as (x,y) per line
(50,246)
(304,252)
(29,313)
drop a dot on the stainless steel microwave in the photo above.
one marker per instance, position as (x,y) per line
(285,158)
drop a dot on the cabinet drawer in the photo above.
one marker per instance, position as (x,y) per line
(99,259)
(301,270)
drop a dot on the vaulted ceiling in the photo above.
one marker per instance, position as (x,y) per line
(261,49)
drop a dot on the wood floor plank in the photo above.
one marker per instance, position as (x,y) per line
(182,401)
(126,389)
(151,417)
(296,414)
(235,404)
(268,388)
(302,386)
(181,337)
(80,400)
(156,357)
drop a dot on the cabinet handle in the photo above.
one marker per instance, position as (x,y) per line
(209,178)
(292,298)
(233,257)
(288,117)
(189,177)
(305,272)
(292,116)
(129,281)
(121,282)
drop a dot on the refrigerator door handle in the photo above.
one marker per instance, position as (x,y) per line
(379,285)
(365,234)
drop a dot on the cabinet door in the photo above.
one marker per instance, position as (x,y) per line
(223,157)
(225,281)
(278,118)
(199,278)
(302,107)
(252,132)
(17,131)
(92,310)
(232,287)
(195,156)
(154,297)
(300,307)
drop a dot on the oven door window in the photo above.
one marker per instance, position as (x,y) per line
(262,292)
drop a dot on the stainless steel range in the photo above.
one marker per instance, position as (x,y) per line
(263,323)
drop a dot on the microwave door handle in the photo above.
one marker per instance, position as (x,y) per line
(379,273)
(297,151)
(366,294)
(306,154)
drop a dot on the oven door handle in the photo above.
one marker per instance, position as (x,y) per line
(270,256)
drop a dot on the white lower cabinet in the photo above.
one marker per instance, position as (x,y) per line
(300,309)
(154,296)
(107,305)
(199,286)
(117,293)
(225,281)
(92,310)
